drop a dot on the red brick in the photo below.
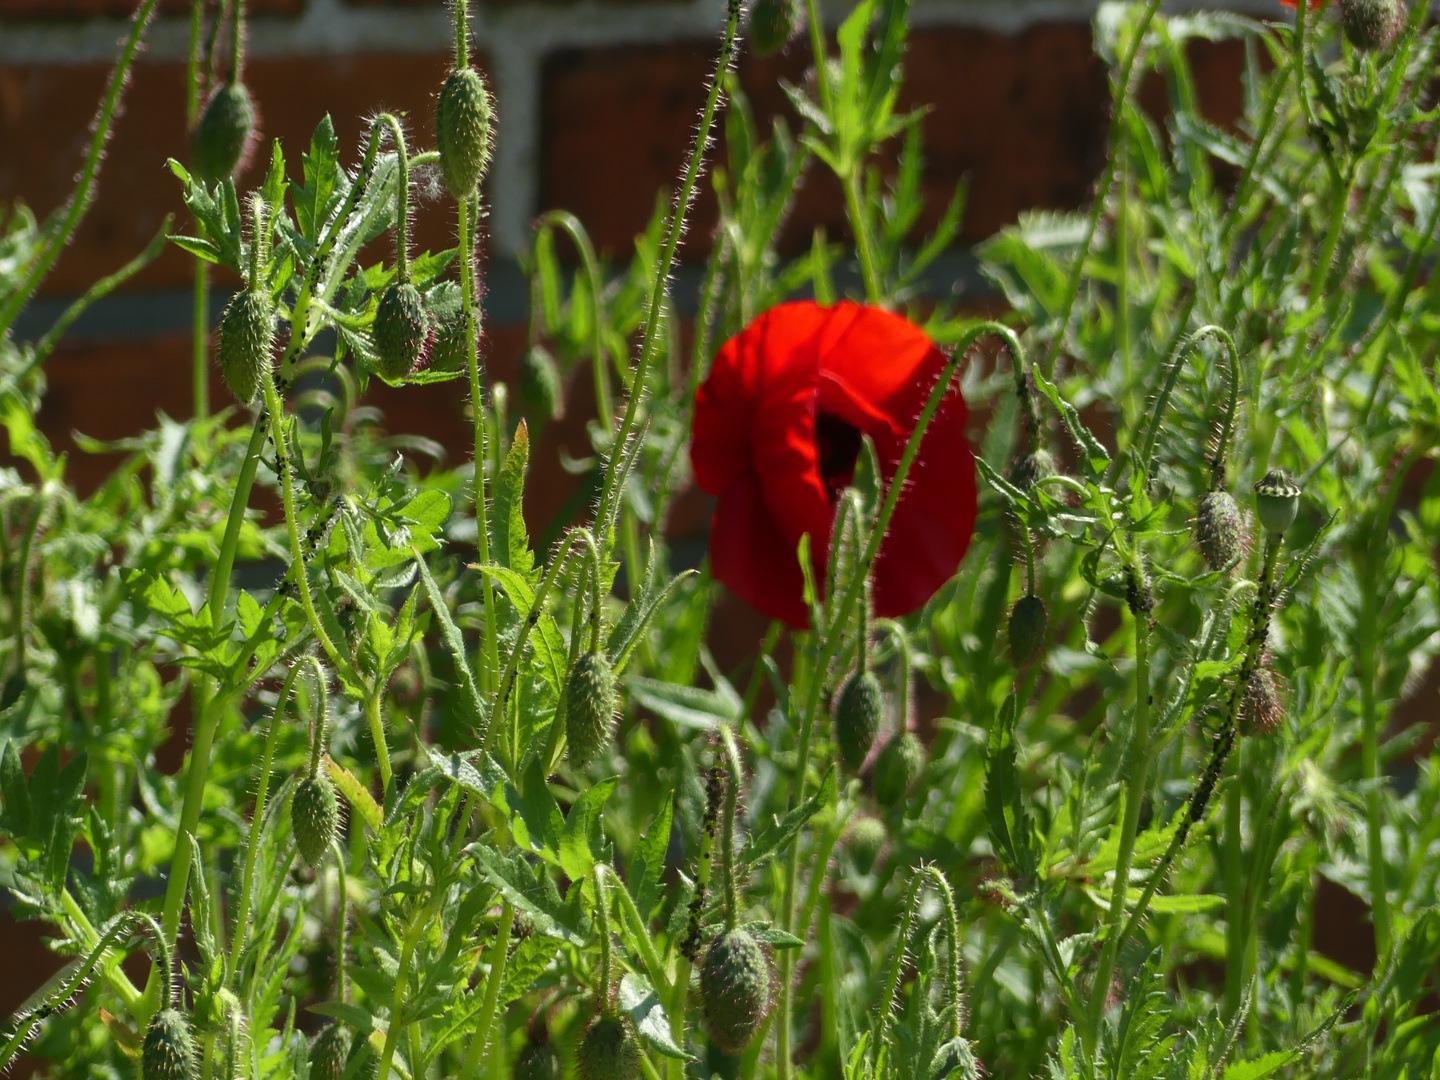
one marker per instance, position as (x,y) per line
(89,9)
(1023,116)
(45,112)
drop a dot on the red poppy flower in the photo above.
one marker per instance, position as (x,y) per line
(778,428)
(1315,5)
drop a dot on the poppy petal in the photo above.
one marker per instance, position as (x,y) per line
(750,556)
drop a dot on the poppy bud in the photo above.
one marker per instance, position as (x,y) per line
(1260,706)
(447,316)
(1027,630)
(401,331)
(328,1051)
(896,769)
(1277,501)
(774,24)
(858,706)
(590,705)
(168,1052)
(537,1061)
(247,340)
(735,988)
(538,385)
(1219,529)
(314,817)
(222,137)
(609,1050)
(463,122)
(1371,24)
(865,840)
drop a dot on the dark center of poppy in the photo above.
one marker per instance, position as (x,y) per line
(838,445)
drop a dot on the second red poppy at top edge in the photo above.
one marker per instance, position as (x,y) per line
(778,428)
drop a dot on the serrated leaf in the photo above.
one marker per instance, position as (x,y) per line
(648,862)
(510,546)
(455,642)
(638,999)
(355,793)
(582,827)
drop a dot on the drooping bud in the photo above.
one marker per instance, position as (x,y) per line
(858,709)
(223,138)
(168,1052)
(1371,25)
(1277,501)
(865,840)
(897,769)
(774,24)
(328,1051)
(735,988)
(1027,630)
(463,126)
(1219,529)
(609,1049)
(537,383)
(590,706)
(1260,705)
(401,331)
(314,817)
(247,342)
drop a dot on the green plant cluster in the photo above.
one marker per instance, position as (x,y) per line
(463,801)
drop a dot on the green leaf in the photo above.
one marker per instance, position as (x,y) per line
(545,637)
(355,793)
(688,707)
(638,999)
(1259,1068)
(479,714)
(314,202)
(648,862)
(510,544)
(1011,832)
(528,888)
(582,829)
(778,833)
(773,936)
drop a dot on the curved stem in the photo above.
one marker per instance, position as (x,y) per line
(402,196)
(733,779)
(590,268)
(1167,387)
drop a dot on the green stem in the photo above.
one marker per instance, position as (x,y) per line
(733,776)
(376,720)
(480,1038)
(490,657)
(666,261)
(1232,862)
(1137,766)
(590,268)
(402,197)
(419,924)
(253,845)
(855,210)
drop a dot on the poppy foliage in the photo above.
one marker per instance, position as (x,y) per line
(779,424)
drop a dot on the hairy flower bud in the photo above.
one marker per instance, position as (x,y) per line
(537,383)
(247,342)
(590,706)
(314,817)
(774,24)
(609,1050)
(222,139)
(865,840)
(168,1052)
(1027,630)
(1260,705)
(328,1051)
(897,768)
(1219,529)
(1370,25)
(463,126)
(858,708)
(402,330)
(735,988)
(1277,501)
